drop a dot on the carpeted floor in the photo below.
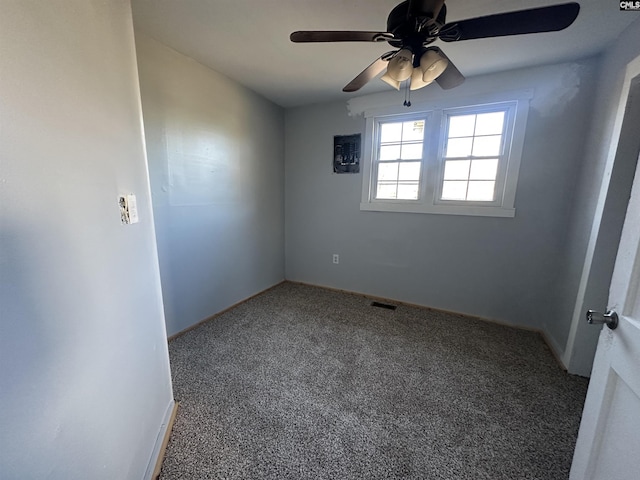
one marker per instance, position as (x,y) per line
(306,383)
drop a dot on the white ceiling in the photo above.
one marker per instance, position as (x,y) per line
(248,40)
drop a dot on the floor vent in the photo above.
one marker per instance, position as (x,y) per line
(383,305)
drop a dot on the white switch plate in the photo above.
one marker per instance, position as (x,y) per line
(128,209)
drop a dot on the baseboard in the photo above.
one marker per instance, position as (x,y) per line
(555,351)
(205,320)
(417,305)
(161,447)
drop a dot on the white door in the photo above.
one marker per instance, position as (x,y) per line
(608,445)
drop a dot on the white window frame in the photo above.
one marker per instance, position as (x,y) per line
(432,171)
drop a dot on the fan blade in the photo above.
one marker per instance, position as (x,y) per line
(339,36)
(451,77)
(535,20)
(369,73)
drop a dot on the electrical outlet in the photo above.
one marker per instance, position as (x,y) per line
(336,258)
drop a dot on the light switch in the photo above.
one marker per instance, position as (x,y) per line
(128,209)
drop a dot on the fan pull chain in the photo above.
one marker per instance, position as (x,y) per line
(407,95)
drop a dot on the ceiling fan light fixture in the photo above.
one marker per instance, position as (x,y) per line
(401,65)
(416,80)
(390,81)
(432,64)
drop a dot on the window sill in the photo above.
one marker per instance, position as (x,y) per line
(411,207)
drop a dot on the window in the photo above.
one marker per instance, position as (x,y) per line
(459,160)
(399,159)
(473,151)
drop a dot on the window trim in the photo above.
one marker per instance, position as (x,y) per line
(432,166)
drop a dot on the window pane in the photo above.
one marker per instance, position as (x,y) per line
(386,190)
(459,147)
(456,169)
(390,132)
(487,146)
(388,171)
(408,191)
(409,171)
(481,191)
(454,190)
(413,130)
(489,123)
(411,151)
(461,125)
(483,169)
(389,152)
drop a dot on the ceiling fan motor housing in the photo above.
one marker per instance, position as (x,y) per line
(413,25)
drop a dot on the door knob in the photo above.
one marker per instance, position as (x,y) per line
(610,318)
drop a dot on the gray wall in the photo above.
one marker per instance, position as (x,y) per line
(84,369)
(499,268)
(595,178)
(216,160)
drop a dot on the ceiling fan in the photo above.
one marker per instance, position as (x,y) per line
(414,24)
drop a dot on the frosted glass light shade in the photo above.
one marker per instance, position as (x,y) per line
(416,80)
(391,81)
(432,65)
(401,65)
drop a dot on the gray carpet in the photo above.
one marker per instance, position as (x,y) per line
(305,383)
